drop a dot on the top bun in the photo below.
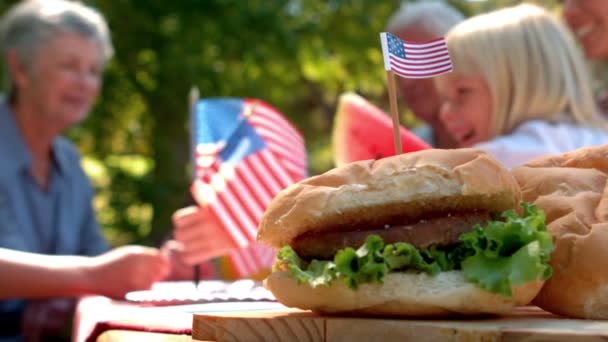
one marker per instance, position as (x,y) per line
(407,185)
(572,189)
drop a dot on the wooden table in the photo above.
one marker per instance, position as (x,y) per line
(525,324)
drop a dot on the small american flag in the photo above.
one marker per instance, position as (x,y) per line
(415,59)
(245,153)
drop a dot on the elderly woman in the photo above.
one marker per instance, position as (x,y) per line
(588,20)
(54,52)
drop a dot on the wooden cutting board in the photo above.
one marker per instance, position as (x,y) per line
(283,324)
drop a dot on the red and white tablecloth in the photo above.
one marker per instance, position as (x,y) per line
(166,308)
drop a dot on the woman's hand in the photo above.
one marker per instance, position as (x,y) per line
(201,235)
(126,269)
(180,269)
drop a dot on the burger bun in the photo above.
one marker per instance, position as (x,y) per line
(402,294)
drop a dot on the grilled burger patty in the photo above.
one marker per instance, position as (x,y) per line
(436,231)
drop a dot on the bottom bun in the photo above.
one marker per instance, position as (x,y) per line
(402,294)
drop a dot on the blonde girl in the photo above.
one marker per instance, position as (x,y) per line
(519,88)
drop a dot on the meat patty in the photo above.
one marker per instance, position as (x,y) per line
(437,231)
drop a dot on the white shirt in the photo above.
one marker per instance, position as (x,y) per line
(536,138)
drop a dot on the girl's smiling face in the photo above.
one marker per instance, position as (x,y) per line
(466,108)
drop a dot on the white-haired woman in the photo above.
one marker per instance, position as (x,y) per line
(588,20)
(520,88)
(423,21)
(54,52)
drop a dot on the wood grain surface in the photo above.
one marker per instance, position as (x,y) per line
(529,324)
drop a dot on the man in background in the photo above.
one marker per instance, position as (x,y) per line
(423,21)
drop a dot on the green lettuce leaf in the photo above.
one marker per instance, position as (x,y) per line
(513,252)
(510,251)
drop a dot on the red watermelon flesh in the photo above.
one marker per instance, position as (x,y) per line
(363,131)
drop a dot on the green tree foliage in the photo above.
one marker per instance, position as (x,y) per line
(298,55)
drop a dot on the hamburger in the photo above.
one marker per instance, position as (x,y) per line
(429,233)
(571,188)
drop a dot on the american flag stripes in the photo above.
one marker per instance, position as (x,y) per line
(245,153)
(415,59)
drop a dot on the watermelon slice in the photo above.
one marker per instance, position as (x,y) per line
(363,131)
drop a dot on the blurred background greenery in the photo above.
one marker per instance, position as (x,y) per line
(298,55)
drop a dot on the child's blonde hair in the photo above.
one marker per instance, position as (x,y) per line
(531,65)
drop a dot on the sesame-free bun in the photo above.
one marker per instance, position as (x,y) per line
(572,189)
(401,294)
(407,185)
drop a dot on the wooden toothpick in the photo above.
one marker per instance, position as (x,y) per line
(392,95)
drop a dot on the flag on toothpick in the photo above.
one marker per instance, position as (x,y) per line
(415,59)
(245,153)
(411,60)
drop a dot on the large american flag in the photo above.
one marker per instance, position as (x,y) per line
(245,153)
(415,59)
